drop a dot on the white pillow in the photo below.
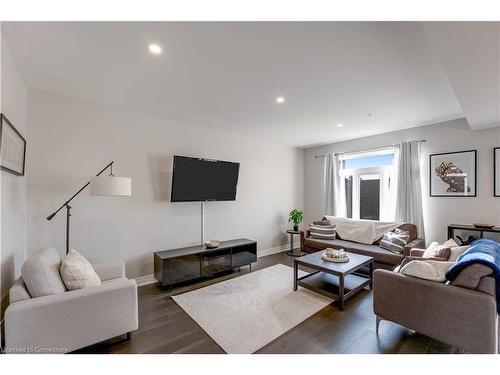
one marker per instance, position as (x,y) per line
(432,270)
(77,272)
(434,249)
(456,252)
(450,243)
(41,273)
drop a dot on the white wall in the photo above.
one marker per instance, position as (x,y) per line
(13,188)
(438,212)
(71,140)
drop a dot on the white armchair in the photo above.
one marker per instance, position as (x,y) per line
(64,322)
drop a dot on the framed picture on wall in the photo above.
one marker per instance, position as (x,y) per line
(496,172)
(12,148)
(453,174)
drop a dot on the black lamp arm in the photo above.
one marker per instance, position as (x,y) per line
(65,204)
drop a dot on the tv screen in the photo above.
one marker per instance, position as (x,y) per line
(196,179)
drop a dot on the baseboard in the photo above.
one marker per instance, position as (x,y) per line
(145,280)
(273,250)
(150,279)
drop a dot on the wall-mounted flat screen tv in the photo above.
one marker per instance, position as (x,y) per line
(198,180)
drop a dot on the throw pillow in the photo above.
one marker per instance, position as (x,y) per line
(41,273)
(77,272)
(322,222)
(432,270)
(456,252)
(402,233)
(394,242)
(450,243)
(439,251)
(322,232)
(435,250)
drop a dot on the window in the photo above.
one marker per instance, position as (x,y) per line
(367,185)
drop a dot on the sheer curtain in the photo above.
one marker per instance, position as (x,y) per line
(332,184)
(409,188)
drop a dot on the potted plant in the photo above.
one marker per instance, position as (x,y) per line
(296,217)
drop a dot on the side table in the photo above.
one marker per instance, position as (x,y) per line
(293,252)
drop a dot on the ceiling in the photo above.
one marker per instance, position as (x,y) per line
(373,77)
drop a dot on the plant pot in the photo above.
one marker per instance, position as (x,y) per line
(296,228)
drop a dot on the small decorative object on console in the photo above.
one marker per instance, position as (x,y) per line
(482,225)
(337,256)
(211,244)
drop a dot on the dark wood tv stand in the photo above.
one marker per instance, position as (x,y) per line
(191,263)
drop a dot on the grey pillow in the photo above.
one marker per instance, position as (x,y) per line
(41,273)
(322,222)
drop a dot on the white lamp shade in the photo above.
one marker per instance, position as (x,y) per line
(111,186)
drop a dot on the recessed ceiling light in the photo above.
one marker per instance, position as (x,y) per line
(155,49)
(280,99)
(340,125)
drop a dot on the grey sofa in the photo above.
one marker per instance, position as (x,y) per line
(463,317)
(382,258)
(67,321)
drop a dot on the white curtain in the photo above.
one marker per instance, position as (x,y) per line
(332,183)
(409,188)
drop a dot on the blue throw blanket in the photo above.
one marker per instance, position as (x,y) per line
(483,251)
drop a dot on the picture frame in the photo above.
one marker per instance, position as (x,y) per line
(496,172)
(12,148)
(453,174)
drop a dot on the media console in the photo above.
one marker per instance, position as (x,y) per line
(194,262)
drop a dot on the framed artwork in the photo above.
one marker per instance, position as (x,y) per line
(453,174)
(496,172)
(12,148)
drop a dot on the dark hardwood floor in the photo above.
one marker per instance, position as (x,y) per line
(165,328)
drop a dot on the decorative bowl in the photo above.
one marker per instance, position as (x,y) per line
(211,244)
(482,225)
(343,259)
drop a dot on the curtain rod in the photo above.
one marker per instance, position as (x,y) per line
(369,149)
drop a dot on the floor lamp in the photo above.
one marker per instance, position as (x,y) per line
(110,186)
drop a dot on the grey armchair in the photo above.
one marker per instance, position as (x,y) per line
(458,316)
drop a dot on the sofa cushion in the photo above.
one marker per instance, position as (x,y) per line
(431,270)
(456,251)
(77,272)
(471,276)
(487,285)
(41,273)
(379,255)
(18,291)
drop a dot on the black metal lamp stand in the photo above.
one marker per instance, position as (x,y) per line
(68,207)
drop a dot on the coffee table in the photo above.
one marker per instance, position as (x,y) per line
(339,281)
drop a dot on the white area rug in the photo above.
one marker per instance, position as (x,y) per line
(246,313)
